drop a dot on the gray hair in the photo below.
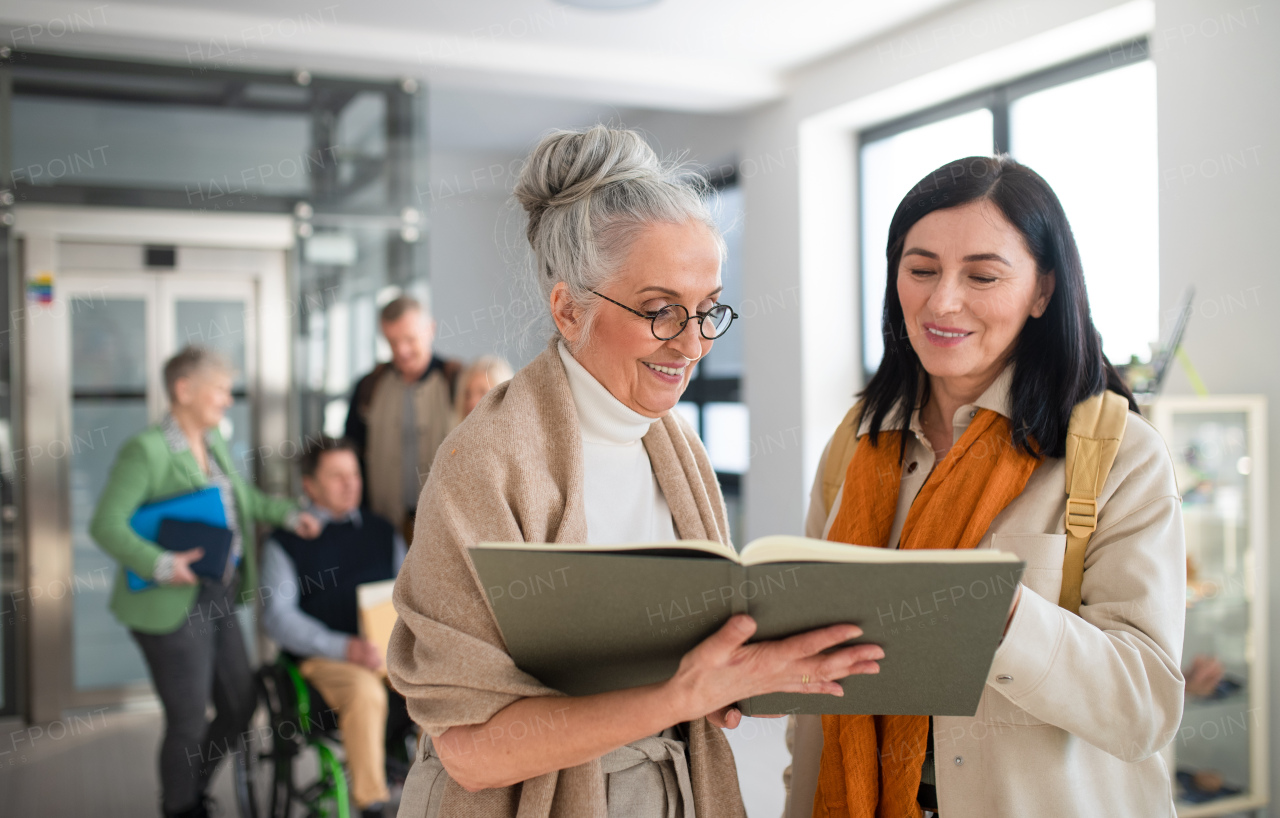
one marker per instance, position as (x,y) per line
(587,195)
(189,361)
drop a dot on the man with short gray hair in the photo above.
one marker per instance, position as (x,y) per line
(400,413)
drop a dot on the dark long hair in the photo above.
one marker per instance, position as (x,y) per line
(1057,358)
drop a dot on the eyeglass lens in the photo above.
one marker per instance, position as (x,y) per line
(671,320)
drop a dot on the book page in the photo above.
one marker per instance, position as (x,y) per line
(695,548)
(803,549)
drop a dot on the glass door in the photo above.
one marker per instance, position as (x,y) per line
(122,329)
(113,358)
(219,314)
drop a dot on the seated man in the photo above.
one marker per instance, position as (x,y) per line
(309,609)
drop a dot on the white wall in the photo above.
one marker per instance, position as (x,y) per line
(473,250)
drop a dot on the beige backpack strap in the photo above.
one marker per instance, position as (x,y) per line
(1093,438)
(843,442)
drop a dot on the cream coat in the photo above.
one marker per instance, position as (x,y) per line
(1076,708)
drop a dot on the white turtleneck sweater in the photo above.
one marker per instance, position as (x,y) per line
(622,497)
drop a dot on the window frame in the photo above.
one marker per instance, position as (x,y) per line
(998,99)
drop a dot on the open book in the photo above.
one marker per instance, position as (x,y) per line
(590,618)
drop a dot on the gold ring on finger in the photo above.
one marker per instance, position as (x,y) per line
(804,680)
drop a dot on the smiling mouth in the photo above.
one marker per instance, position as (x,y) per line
(665,370)
(939,333)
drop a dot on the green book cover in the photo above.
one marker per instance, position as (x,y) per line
(586,619)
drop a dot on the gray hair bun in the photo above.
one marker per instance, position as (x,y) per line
(569,166)
(588,193)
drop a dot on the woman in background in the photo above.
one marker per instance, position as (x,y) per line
(477,379)
(186,626)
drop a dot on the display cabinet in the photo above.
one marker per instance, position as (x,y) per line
(1219,757)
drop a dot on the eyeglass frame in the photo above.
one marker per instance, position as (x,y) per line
(689,316)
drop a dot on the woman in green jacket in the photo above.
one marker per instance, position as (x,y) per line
(185,625)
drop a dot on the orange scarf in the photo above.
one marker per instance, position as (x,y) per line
(871,764)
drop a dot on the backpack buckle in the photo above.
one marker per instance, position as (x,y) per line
(1082,513)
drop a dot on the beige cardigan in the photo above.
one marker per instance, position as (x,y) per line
(513,471)
(1076,708)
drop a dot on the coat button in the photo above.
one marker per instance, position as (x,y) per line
(959,760)
(1004,678)
(912,466)
(973,414)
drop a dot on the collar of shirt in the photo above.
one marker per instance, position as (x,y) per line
(174,436)
(602,417)
(326,516)
(995,398)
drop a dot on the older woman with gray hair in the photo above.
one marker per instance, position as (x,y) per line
(582,446)
(184,623)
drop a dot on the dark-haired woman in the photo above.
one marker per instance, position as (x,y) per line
(988,347)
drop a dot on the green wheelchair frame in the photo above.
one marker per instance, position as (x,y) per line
(293,730)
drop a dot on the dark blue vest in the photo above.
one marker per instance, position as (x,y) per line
(333,564)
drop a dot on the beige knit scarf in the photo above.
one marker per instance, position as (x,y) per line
(513,471)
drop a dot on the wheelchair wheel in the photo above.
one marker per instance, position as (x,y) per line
(264,774)
(283,749)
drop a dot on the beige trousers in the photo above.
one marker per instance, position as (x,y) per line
(648,778)
(360,697)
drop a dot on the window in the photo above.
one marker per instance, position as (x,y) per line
(890,167)
(1094,141)
(1089,128)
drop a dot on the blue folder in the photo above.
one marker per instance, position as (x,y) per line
(200,506)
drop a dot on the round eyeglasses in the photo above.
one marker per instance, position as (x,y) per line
(670,321)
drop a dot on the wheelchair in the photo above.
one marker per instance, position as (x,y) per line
(293,738)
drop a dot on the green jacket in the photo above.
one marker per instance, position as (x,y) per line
(146,470)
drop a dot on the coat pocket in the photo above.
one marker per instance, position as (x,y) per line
(1043,555)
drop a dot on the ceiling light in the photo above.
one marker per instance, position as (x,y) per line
(607,5)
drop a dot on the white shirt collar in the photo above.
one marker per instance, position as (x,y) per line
(602,417)
(326,516)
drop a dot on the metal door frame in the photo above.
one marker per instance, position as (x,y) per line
(252,249)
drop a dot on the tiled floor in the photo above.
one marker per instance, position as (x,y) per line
(97,763)
(103,764)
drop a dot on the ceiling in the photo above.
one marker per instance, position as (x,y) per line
(709,55)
